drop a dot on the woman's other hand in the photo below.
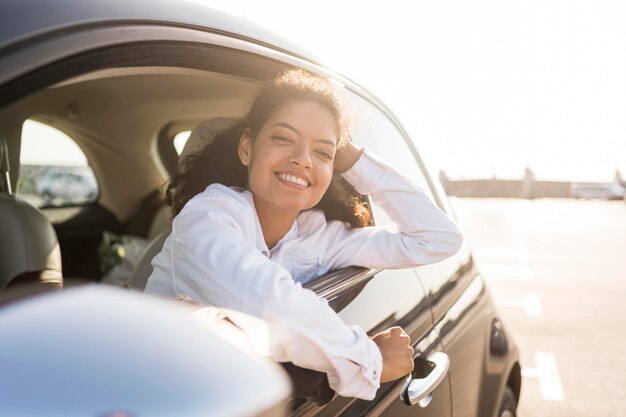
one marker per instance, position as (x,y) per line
(347,156)
(395,346)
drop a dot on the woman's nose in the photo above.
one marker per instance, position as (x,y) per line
(301,157)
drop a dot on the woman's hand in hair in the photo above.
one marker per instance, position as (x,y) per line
(395,347)
(347,156)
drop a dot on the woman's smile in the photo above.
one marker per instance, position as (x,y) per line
(292,179)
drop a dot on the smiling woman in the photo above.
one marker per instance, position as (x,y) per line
(251,221)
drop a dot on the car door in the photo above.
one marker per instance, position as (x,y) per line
(377,300)
(465,320)
(462,312)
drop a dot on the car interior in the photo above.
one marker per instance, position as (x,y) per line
(121,121)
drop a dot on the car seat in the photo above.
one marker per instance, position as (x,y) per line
(200,136)
(30,256)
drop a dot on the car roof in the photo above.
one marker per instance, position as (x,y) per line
(23,20)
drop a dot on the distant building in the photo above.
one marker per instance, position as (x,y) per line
(529,188)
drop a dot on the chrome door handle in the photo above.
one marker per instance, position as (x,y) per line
(419,390)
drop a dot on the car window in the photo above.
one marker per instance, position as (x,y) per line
(180,140)
(373,129)
(53,169)
(378,133)
(391,294)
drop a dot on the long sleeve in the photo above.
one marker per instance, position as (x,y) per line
(214,261)
(422,235)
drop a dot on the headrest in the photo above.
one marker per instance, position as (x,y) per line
(203,134)
(28,243)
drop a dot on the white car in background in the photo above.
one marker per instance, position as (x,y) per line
(60,186)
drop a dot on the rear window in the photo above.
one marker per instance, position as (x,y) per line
(180,140)
(53,169)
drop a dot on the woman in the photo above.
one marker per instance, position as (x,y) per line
(264,207)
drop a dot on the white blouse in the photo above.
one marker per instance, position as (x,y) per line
(216,254)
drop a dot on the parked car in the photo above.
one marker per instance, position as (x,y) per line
(66,185)
(123,79)
(604,191)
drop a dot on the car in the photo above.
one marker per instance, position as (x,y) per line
(62,186)
(612,191)
(128,82)
(113,371)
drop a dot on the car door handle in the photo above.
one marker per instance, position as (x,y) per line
(425,378)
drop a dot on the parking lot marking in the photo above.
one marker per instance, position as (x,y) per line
(532,304)
(530,373)
(547,372)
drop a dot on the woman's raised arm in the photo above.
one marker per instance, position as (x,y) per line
(423,234)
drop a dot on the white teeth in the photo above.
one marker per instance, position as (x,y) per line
(294,179)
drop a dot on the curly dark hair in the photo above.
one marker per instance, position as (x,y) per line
(219,162)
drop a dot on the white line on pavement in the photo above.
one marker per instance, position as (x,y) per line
(547,372)
(551,387)
(532,304)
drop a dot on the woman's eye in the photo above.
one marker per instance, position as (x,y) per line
(281,139)
(325,155)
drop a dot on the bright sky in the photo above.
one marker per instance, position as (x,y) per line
(43,145)
(484,87)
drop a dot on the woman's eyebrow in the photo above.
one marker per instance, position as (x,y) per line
(288,126)
(327,142)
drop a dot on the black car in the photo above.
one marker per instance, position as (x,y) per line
(128,81)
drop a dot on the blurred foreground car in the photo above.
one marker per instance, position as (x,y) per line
(129,83)
(98,351)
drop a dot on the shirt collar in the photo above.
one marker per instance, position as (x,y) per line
(260,243)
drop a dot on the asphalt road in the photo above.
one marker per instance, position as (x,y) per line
(557,270)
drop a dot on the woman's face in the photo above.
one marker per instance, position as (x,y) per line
(290,162)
